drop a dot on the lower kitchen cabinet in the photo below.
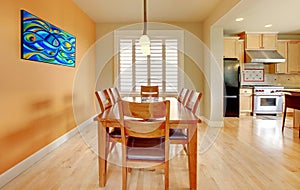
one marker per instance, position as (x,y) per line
(246,96)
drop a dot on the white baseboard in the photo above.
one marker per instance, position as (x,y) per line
(29,161)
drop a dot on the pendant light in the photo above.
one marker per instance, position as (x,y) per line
(144,39)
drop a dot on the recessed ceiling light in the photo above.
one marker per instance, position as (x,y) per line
(239,19)
(268,25)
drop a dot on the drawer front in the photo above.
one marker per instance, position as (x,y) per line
(245,91)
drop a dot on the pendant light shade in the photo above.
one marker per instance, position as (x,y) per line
(145,44)
(144,39)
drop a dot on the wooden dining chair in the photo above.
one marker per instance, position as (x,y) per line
(180,136)
(193,101)
(186,96)
(149,91)
(104,99)
(111,95)
(181,94)
(145,136)
(113,133)
(116,94)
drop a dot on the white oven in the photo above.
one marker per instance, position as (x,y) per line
(267,100)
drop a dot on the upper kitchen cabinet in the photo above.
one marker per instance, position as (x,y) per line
(290,50)
(282,48)
(234,48)
(293,56)
(231,47)
(259,40)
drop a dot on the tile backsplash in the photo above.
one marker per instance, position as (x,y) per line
(286,80)
(253,71)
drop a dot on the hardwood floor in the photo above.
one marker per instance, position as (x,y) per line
(246,154)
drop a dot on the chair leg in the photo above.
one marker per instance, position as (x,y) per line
(124,178)
(185,149)
(107,147)
(166,175)
(283,119)
(113,144)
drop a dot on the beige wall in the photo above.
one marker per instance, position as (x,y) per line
(194,77)
(107,72)
(213,38)
(36,98)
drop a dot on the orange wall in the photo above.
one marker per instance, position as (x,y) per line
(36,100)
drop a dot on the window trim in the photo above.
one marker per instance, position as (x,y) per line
(162,34)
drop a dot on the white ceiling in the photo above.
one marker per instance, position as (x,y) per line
(122,11)
(284,15)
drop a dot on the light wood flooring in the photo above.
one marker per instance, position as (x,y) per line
(246,153)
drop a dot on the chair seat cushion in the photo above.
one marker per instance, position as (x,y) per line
(178,134)
(145,149)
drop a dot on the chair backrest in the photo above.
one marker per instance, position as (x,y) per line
(193,101)
(116,94)
(181,94)
(149,91)
(103,99)
(186,96)
(144,120)
(112,96)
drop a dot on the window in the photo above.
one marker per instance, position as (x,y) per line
(160,68)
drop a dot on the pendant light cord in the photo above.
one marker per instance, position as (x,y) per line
(145,17)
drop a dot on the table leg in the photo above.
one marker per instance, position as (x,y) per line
(102,153)
(283,119)
(193,156)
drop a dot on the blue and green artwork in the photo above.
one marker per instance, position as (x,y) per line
(43,42)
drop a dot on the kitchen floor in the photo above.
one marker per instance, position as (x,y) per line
(247,153)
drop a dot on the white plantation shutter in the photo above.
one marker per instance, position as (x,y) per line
(172,65)
(160,68)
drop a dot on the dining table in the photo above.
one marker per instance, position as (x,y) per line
(180,117)
(292,100)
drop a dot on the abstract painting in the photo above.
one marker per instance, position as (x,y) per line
(44,42)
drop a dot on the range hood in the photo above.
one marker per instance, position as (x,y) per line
(265,56)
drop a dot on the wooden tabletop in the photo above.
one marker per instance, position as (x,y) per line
(178,112)
(294,92)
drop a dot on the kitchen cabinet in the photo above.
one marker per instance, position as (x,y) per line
(231,47)
(282,48)
(246,96)
(241,51)
(259,40)
(234,48)
(293,57)
(290,50)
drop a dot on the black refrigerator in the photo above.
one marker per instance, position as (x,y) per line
(231,87)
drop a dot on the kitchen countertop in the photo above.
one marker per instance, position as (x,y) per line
(293,92)
(285,87)
(291,87)
(246,86)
